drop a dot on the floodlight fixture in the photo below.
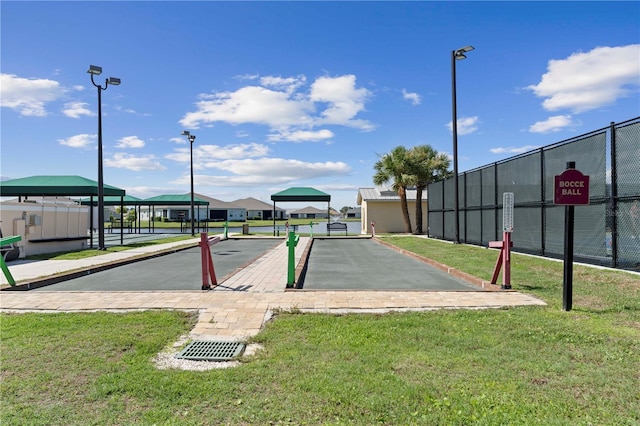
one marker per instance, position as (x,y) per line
(95,70)
(114,81)
(460,53)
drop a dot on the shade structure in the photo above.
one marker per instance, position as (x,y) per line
(301,194)
(58,186)
(68,186)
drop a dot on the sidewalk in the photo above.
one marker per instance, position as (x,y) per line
(238,308)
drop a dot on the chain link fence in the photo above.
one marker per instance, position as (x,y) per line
(607,231)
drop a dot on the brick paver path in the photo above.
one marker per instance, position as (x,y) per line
(240,306)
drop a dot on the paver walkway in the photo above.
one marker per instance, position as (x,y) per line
(239,307)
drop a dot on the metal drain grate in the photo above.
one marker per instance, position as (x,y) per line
(208,350)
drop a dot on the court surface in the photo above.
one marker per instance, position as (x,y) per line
(176,271)
(334,264)
(363,264)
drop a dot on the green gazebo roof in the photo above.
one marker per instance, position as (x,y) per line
(68,186)
(301,194)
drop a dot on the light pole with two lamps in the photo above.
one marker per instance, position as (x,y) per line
(456,55)
(191,138)
(94,70)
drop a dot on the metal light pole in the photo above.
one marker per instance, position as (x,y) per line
(94,70)
(191,138)
(456,55)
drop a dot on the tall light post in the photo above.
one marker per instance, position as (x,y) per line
(94,70)
(191,138)
(456,55)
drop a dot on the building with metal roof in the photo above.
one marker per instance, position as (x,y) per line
(382,206)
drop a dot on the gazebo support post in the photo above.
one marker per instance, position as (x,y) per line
(91,222)
(274,218)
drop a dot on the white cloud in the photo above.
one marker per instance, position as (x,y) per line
(513,150)
(466,125)
(590,80)
(338,187)
(247,77)
(28,96)
(207,155)
(413,97)
(122,160)
(130,142)
(79,141)
(181,141)
(76,109)
(289,84)
(252,172)
(145,191)
(344,99)
(282,105)
(552,124)
(130,111)
(302,136)
(250,104)
(279,167)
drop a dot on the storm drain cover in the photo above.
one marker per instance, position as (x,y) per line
(209,350)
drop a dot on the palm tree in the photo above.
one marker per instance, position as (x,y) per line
(426,165)
(395,166)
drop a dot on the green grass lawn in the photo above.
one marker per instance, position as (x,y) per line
(518,366)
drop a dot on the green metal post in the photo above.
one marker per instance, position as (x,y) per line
(292,242)
(3,265)
(226,225)
(311,226)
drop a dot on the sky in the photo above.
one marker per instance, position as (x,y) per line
(289,94)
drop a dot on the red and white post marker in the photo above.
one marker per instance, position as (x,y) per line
(209,279)
(504,259)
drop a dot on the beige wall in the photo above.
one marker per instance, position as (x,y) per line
(387,216)
(38,221)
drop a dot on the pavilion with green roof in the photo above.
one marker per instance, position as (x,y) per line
(62,186)
(58,186)
(300,194)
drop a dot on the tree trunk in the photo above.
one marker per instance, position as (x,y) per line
(418,211)
(405,209)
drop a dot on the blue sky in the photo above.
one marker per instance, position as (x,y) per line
(283,94)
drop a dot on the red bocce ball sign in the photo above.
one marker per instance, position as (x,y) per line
(571,188)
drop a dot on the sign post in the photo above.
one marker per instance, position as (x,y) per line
(571,188)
